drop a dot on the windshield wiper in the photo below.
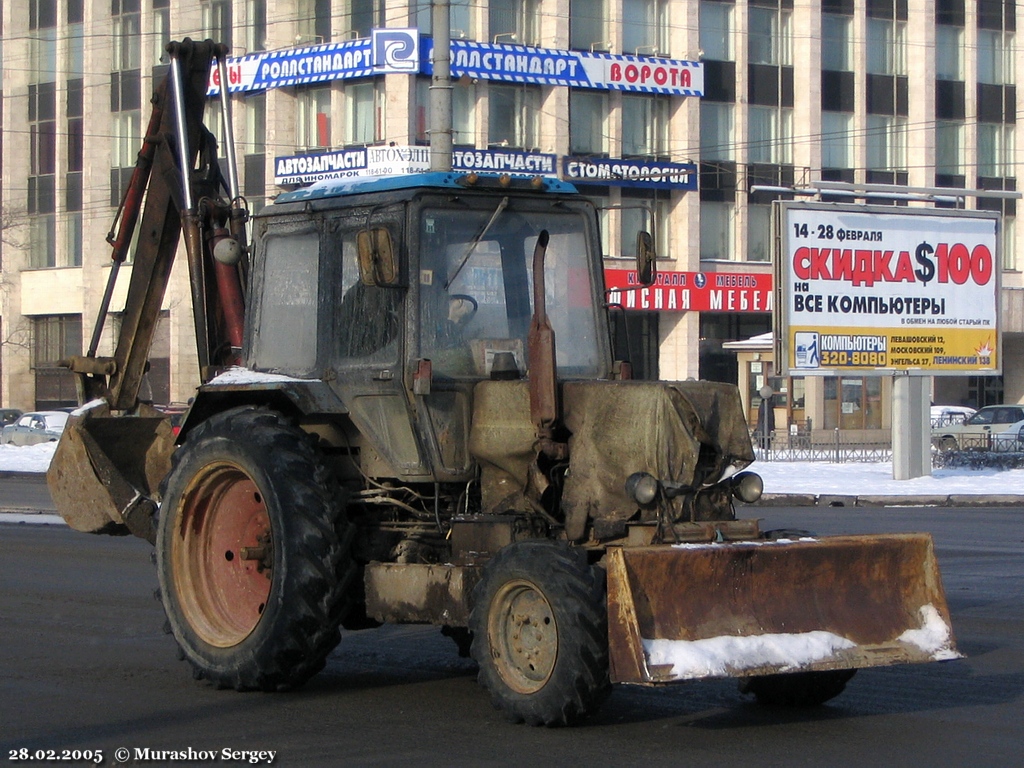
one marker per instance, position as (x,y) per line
(476,241)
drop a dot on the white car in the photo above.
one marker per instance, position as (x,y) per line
(941,415)
(993,428)
(35,427)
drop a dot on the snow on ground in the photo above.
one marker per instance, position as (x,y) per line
(26,458)
(820,478)
(863,479)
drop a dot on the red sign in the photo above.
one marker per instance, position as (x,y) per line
(697,291)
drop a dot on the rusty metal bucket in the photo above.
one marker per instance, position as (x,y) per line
(107,470)
(758,608)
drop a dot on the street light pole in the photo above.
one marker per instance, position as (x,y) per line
(440,130)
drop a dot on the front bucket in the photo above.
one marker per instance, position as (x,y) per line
(107,470)
(757,608)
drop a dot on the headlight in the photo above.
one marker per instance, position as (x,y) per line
(747,487)
(642,488)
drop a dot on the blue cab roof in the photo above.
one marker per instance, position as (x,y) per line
(435,179)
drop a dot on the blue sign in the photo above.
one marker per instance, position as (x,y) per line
(400,51)
(579,69)
(629,173)
(387,51)
(396,51)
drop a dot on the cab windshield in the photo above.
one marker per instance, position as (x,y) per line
(476,295)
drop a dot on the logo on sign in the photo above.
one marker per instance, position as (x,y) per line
(700,280)
(396,50)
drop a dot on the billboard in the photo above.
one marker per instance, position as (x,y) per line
(871,289)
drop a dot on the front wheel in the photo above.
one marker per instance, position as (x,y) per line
(540,633)
(252,553)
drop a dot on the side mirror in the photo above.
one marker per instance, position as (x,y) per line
(646,270)
(377,262)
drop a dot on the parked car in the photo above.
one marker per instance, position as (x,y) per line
(36,427)
(992,428)
(943,415)
(9,416)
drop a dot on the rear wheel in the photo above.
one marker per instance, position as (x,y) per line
(252,553)
(948,443)
(798,689)
(540,634)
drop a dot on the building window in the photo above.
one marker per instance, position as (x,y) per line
(837,79)
(769,39)
(42,241)
(995,56)
(949,64)
(42,118)
(836,149)
(717,231)
(42,129)
(125,94)
(853,403)
(73,178)
(458,15)
(255,25)
(55,338)
(770,83)
(512,112)
(647,212)
(254,149)
(514,21)
(463,112)
(126,33)
(160,28)
(125,131)
(949,147)
(645,121)
(313,129)
(313,22)
(716,30)
(886,141)
(364,113)
(645,27)
(995,150)
(717,131)
(886,51)
(587,25)
(588,134)
(362,17)
(770,135)
(216,20)
(76,41)
(42,23)
(759,229)
(836,42)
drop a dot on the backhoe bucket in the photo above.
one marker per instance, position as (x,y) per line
(755,608)
(107,470)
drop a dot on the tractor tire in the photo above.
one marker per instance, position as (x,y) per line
(540,634)
(253,553)
(798,689)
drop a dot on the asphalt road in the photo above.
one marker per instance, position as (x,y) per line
(85,665)
(23,490)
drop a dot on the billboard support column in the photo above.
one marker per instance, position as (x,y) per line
(911,433)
